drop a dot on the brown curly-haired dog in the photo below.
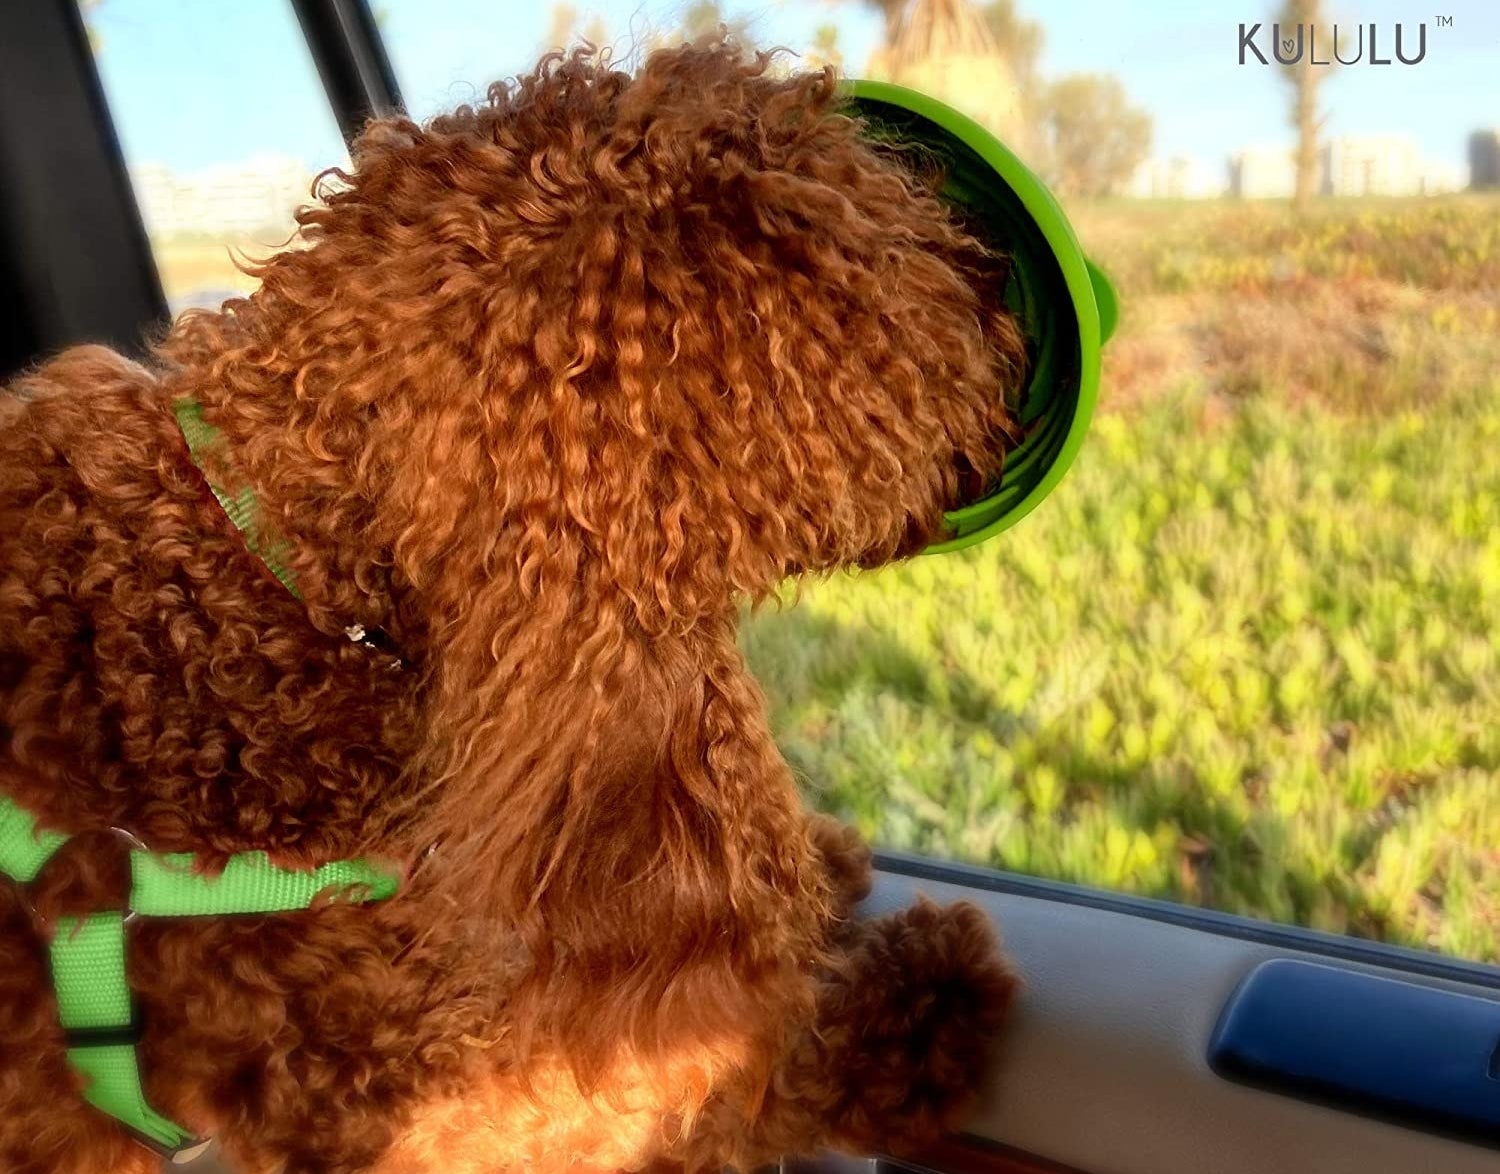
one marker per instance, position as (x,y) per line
(552,387)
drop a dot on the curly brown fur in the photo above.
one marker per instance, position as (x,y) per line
(551,389)
(903,1030)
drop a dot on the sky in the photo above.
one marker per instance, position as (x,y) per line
(194,83)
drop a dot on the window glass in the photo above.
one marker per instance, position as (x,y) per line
(1245,656)
(223,124)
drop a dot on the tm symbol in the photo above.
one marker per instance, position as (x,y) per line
(1445,22)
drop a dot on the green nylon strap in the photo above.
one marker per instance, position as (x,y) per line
(166,886)
(239,508)
(88,955)
(93,1000)
(24,849)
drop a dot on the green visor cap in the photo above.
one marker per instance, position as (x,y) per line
(1065,305)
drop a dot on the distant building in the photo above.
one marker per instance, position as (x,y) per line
(1177,178)
(1349,165)
(1262,172)
(1484,159)
(257,195)
(1382,165)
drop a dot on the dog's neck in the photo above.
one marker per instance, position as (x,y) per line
(242,512)
(332,576)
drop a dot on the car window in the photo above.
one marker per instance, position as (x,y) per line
(1245,656)
(220,155)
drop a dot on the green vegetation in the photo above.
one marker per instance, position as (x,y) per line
(1246,656)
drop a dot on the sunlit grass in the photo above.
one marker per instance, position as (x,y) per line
(1245,657)
(1441,242)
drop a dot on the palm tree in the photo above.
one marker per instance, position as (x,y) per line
(891,11)
(1305,80)
(947,49)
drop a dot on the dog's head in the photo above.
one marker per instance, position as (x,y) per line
(689,327)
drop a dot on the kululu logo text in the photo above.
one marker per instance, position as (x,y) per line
(1340,44)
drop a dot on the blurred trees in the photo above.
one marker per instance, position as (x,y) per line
(1018,40)
(946,48)
(563,30)
(891,12)
(1305,80)
(1093,139)
(1079,132)
(825,49)
(702,18)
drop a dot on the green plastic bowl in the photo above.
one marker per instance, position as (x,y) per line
(1066,306)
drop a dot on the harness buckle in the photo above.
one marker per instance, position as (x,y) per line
(191,1150)
(115,1035)
(182,1155)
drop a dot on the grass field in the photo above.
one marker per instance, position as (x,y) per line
(1246,656)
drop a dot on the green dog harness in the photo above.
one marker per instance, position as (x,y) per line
(87,954)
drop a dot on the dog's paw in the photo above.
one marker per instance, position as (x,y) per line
(846,857)
(926,993)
